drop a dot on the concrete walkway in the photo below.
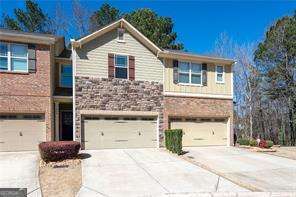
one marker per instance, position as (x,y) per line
(20,170)
(146,172)
(257,171)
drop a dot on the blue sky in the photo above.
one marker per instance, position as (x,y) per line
(198,23)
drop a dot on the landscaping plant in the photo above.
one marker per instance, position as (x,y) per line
(59,150)
(269,143)
(263,144)
(253,142)
(243,141)
(173,140)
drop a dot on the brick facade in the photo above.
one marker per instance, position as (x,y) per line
(198,107)
(117,95)
(29,92)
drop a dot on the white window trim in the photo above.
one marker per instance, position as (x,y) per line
(9,57)
(127,65)
(223,74)
(60,75)
(190,73)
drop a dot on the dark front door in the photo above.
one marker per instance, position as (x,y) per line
(66,125)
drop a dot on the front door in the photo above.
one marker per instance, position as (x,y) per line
(66,132)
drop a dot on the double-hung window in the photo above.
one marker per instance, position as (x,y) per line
(190,73)
(220,74)
(66,76)
(13,57)
(121,66)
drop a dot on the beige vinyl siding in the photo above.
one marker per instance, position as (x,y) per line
(92,58)
(211,88)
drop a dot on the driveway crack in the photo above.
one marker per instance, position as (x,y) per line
(151,176)
(217,185)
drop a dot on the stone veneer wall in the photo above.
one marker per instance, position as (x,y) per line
(117,95)
(197,107)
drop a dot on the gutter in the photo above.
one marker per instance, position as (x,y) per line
(18,37)
(175,55)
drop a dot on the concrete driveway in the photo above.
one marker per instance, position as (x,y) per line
(20,170)
(146,172)
(258,171)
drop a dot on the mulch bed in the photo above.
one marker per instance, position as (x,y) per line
(257,149)
(62,178)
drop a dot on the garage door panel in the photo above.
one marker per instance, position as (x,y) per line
(21,134)
(121,133)
(204,133)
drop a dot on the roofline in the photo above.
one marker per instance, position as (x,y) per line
(19,36)
(161,53)
(193,57)
(122,23)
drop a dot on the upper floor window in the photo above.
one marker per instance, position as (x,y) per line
(190,73)
(66,76)
(220,74)
(121,66)
(13,57)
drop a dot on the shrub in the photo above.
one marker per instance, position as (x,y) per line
(59,150)
(263,144)
(253,142)
(243,141)
(173,140)
(269,143)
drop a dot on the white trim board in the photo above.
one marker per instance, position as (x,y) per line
(217,96)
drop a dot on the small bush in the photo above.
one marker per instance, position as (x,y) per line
(173,140)
(263,144)
(59,150)
(269,143)
(243,141)
(253,142)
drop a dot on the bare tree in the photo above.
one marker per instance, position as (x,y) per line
(80,17)
(60,21)
(245,81)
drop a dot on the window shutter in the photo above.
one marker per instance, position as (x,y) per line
(32,58)
(204,74)
(131,68)
(110,65)
(175,72)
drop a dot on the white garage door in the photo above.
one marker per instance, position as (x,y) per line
(202,132)
(119,132)
(21,132)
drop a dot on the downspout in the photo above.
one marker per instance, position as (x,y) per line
(73,87)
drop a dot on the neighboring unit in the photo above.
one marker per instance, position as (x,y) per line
(114,89)
(28,90)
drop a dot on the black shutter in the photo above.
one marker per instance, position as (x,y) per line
(32,58)
(204,74)
(175,71)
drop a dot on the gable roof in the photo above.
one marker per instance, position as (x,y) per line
(123,24)
(162,53)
